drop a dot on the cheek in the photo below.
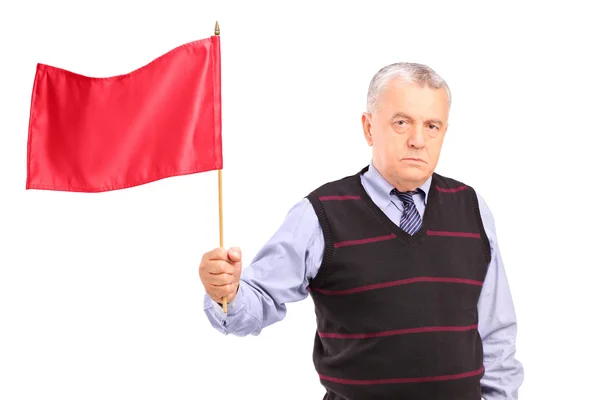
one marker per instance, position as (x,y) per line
(394,145)
(434,147)
(389,142)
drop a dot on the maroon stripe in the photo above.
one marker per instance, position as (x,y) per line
(397,332)
(451,190)
(401,380)
(339,198)
(398,283)
(363,241)
(459,234)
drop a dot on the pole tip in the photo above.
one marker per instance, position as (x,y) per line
(217,30)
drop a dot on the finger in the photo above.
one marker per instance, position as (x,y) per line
(219,299)
(217,254)
(234,254)
(220,280)
(209,255)
(222,291)
(221,267)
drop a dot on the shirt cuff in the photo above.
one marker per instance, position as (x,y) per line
(232,308)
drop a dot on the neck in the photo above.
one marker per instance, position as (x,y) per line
(406,186)
(403,185)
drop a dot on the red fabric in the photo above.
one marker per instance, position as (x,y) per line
(98,134)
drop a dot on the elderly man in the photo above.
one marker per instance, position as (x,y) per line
(403,266)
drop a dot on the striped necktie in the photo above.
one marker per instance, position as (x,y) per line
(411,220)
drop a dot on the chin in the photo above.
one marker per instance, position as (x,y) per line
(414,173)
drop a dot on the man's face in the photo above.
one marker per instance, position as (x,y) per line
(406,132)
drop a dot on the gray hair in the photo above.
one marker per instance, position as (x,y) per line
(409,72)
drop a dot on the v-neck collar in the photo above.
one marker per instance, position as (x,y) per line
(374,207)
(380,190)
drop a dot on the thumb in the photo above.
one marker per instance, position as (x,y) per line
(234,254)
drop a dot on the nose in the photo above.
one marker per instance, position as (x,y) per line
(417,138)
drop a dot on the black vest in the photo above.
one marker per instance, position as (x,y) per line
(397,314)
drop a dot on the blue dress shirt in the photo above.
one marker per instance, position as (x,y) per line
(281,270)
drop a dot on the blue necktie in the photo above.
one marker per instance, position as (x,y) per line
(411,220)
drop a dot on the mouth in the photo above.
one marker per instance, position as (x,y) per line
(413,159)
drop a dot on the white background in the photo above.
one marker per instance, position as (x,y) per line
(99,293)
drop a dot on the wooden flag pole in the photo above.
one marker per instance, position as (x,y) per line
(221,244)
(221,225)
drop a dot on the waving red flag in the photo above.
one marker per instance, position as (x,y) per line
(98,134)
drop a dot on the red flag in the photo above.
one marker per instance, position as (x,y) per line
(98,134)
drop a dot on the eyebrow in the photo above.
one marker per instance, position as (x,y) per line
(403,115)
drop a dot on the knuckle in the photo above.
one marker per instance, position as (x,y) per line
(219,267)
(213,267)
(206,256)
(203,267)
(212,254)
(224,290)
(216,281)
(227,267)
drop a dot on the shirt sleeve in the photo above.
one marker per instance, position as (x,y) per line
(497,324)
(278,274)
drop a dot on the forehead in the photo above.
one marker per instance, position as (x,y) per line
(414,99)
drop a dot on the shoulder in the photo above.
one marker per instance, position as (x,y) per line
(487,218)
(327,196)
(447,184)
(302,212)
(345,186)
(307,208)
(452,185)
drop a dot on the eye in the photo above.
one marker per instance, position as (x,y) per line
(432,126)
(401,122)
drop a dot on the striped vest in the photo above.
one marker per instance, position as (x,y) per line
(397,314)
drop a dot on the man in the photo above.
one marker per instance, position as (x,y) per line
(403,266)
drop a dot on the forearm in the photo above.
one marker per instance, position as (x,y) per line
(245,314)
(278,275)
(498,325)
(503,372)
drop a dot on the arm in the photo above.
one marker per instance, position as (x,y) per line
(277,275)
(497,325)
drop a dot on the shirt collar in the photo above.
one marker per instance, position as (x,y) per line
(380,190)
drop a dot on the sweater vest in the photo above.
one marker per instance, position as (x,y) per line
(397,314)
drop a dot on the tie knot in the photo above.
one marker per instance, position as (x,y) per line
(405,197)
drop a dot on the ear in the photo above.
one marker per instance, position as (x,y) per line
(366,123)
